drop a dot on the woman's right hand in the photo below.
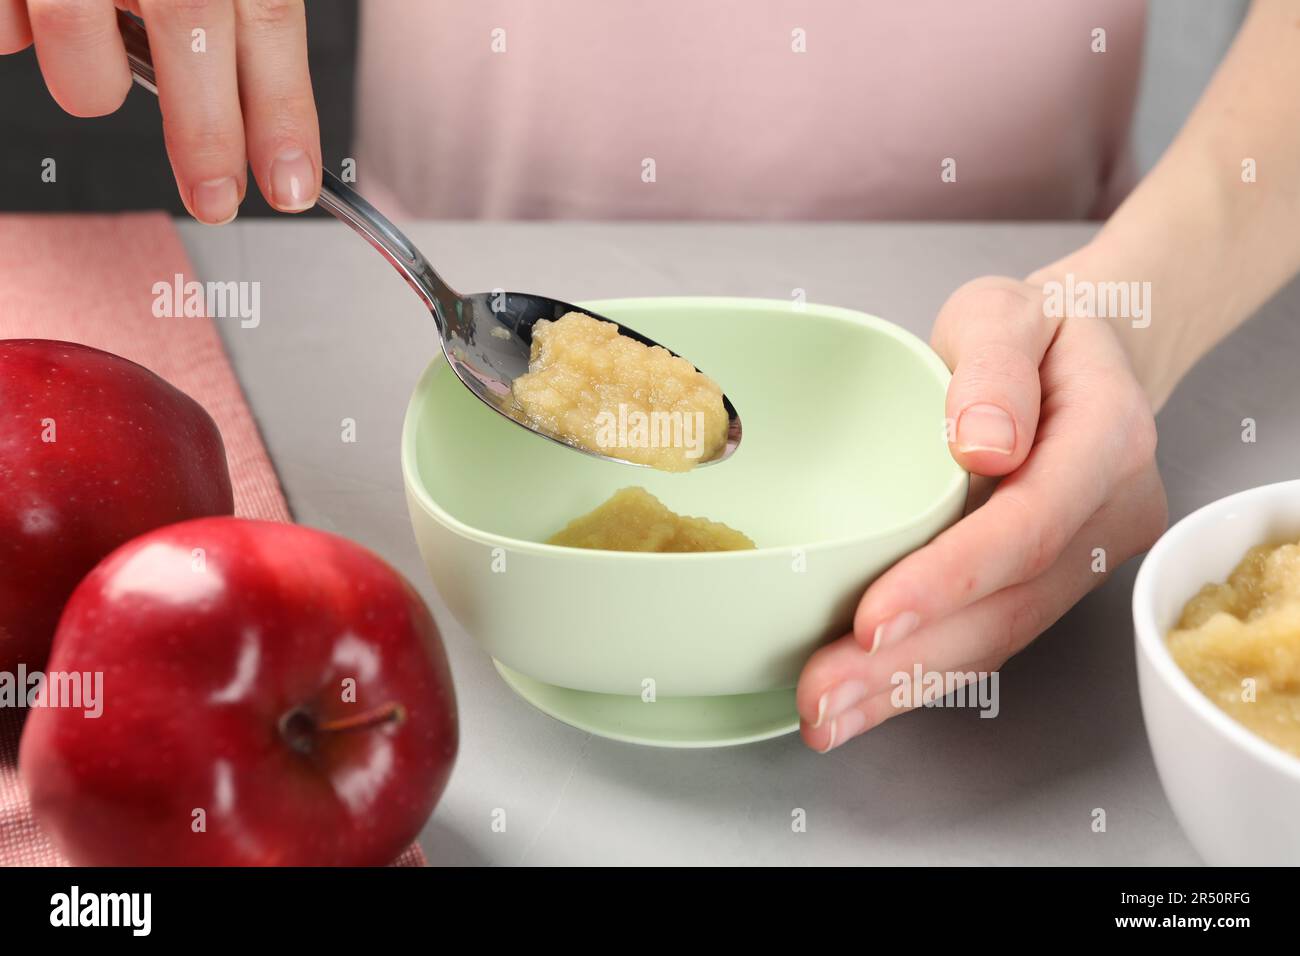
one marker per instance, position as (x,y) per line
(232,83)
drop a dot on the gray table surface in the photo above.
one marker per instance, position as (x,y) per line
(342,337)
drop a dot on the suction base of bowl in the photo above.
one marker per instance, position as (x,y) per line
(680,722)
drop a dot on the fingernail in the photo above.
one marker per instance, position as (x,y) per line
(839,699)
(986,428)
(216,201)
(845,727)
(293,181)
(894,630)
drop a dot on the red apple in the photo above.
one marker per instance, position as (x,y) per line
(94,450)
(271,695)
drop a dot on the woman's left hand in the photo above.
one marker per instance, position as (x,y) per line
(1052,408)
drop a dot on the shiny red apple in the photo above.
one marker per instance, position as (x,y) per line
(271,695)
(94,450)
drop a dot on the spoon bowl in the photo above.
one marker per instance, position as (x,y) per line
(488,346)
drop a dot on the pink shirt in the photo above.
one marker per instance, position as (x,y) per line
(510,109)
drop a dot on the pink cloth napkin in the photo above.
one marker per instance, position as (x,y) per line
(90,279)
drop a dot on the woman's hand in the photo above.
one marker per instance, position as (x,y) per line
(1075,451)
(232,81)
(1052,408)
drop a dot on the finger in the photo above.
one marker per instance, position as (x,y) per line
(15,30)
(81,54)
(839,678)
(279,111)
(871,713)
(193,47)
(1030,517)
(843,692)
(993,334)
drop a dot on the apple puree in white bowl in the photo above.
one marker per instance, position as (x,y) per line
(1239,643)
(1217,673)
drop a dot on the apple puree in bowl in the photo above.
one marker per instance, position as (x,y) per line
(635,520)
(592,387)
(1239,643)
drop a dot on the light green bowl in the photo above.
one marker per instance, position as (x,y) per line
(842,470)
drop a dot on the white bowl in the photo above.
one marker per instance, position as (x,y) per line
(1236,795)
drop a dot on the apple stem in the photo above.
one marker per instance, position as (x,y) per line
(300,729)
(393,713)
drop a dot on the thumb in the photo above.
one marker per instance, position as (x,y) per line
(993,334)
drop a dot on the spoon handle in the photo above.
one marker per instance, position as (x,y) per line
(336,197)
(349,206)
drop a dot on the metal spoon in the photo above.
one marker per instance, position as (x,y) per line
(486,337)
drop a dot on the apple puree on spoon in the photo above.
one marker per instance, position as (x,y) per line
(607,393)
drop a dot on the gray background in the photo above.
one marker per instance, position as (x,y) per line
(342,337)
(1184,43)
(118,162)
